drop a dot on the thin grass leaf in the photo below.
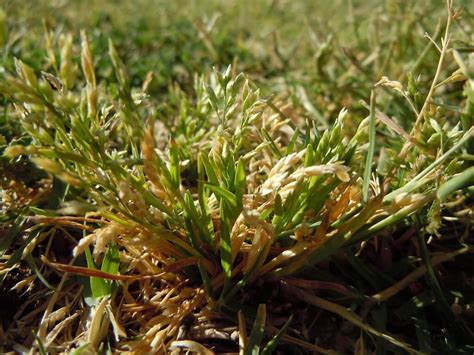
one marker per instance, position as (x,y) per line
(17,255)
(206,281)
(256,335)
(370,150)
(210,171)
(418,181)
(9,237)
(41,348)
(309,156)
(294,139)
(174,166)
(111,262)
(464,179)
(351,317)
(99,287)
(38,273)
(273,145)
(225,244)
(228,197)
(457,329)
(240,179)
(273,343)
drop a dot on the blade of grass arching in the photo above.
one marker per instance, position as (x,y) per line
(273,343)
(256,335)
(370,150)
(40,212)
(38,273)
(415,182)
(187,347)
(457,330)
(464,179)
(351,317)
(416,274)
(404,212)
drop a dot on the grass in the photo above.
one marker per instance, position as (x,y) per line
(214,180)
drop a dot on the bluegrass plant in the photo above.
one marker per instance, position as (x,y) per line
(310,203)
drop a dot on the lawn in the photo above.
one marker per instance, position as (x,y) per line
(247,177)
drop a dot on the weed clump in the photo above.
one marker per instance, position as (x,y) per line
(207,216)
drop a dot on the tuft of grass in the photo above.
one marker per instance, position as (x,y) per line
(153,195)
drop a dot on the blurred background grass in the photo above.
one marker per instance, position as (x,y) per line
(325,54)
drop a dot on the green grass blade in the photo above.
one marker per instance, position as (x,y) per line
(206,281)
(110,264)
(174,166)
(228,197)
(210,171)
(418,180)
(464,179)
(38,273)
(258,329)
(225,244)
(273,343)
(370,151)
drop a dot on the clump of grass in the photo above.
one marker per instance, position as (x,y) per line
(154,228)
